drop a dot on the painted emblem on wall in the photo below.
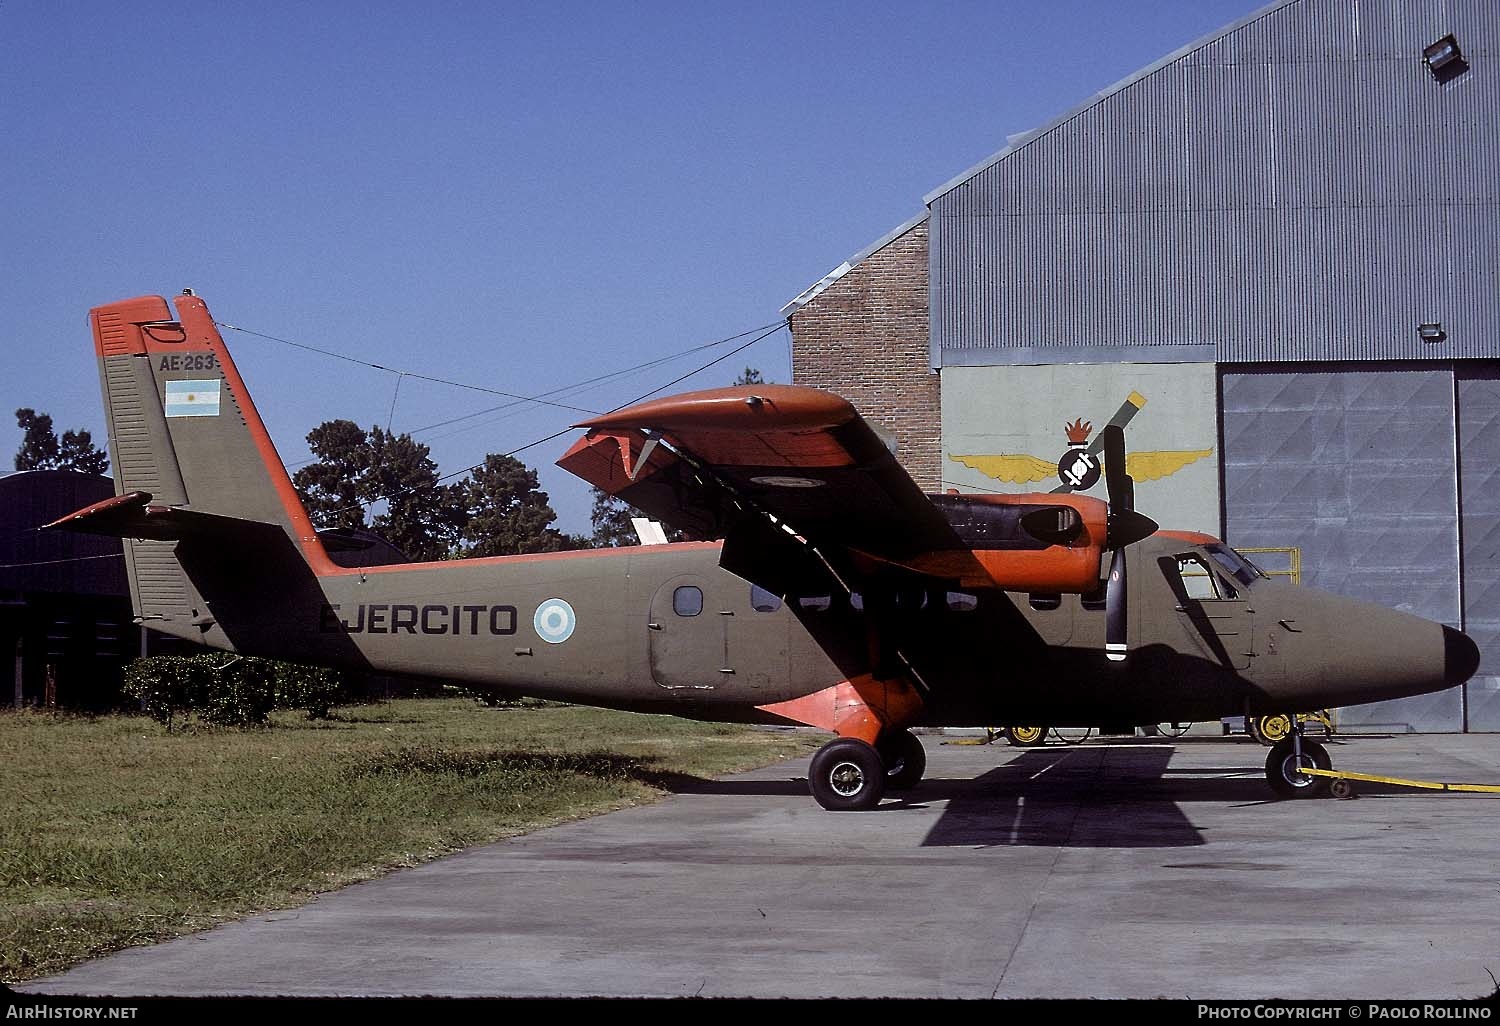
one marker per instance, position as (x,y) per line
(1078,468)
(1074,468)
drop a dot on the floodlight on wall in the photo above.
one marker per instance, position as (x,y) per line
(1431,331)
(1444,59)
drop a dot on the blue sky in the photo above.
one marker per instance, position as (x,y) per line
(518,196)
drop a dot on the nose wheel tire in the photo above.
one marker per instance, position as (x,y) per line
(905,760)
(1282,764)
(1026,737)
(847,775)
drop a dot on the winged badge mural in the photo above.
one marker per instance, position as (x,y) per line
(1024,468)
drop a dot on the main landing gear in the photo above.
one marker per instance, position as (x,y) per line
(848,775)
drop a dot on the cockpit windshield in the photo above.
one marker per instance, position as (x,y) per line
(1241,568)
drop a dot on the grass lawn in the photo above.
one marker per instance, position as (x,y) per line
(113,832)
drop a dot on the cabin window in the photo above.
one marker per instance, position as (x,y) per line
(1045,600)
(962,602)
(816,603)
(687,601)
(762,601)
(856,602)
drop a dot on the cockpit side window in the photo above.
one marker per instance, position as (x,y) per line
(1240,568)
(1198,581)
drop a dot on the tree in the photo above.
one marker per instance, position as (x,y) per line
(751,376)
(423,517)
(610,518)
(506,512)
(358,468)
(41,450)
(497,510)
(331,488)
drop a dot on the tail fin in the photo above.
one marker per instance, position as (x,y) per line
(183,430)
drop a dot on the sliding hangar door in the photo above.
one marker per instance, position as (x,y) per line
(1386,480)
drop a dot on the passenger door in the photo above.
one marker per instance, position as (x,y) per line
(716,634)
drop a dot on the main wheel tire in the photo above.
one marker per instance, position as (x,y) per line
(1073,735)
(1282,765)
(1026,737)
(905,760)
(847,775)
(1173,729)
(1273,729)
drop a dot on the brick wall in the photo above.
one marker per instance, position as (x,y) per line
(865,338)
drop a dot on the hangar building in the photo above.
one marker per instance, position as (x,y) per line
(1284,237)
(65,613)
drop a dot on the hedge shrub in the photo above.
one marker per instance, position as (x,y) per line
(237,692)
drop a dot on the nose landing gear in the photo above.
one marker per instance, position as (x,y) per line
(1287,757)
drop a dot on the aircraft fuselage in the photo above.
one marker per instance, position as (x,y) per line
(665,629)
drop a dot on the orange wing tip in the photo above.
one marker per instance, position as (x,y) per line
(744,407)
(612,460)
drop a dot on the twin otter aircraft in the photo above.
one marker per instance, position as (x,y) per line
(840,595)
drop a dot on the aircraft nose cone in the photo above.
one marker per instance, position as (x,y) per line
(1460,656)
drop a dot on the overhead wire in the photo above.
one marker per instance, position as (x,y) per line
(541,398)
(68,559)
(765,330)
(598,380)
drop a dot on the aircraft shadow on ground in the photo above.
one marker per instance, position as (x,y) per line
(1089,797)
(1081,798)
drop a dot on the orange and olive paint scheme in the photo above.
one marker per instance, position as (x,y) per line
(828,589)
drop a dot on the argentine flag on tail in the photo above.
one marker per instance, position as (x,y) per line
(193,398)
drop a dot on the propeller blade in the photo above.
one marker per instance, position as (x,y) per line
(1117,483)
(1125,524)
(1115,618)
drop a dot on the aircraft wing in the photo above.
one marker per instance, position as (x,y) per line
(753,462)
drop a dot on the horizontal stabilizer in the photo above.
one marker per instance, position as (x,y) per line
(132,516)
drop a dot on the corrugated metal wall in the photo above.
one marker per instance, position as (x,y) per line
(1355,468)
(1479,486)
(1299,188)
